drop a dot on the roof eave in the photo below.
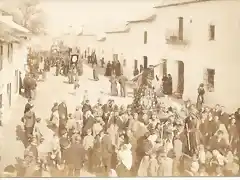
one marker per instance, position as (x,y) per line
(123,31)
(148,19)
(181,3)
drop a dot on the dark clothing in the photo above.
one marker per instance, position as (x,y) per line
(169,86)
(86,107)
(118,69)
(108,71)
(76,155)
(62,111)
(107,151)
(165,85)
(88,124)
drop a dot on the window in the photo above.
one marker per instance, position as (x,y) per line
(1,57)
(180,28)
(145,62)
(10,52)
(212,32)
(209,79)
(145,37)
(115,57)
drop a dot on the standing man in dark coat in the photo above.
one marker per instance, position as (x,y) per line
(107,150)
(63,115)
(169,84)
(29,120)
(165,84)
(122,82)
(108,71)
(118,68)
(62,110)
(76,156)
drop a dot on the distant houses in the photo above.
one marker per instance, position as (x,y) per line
(196,41)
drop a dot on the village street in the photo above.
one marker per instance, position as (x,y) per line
(54,89)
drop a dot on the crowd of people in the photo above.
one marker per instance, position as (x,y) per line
(159,138)
(153,136)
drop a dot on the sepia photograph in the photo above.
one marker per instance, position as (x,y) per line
(114,88)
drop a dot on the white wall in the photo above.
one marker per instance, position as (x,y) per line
(221,54)
(86,41)
(7,74)
(138,48)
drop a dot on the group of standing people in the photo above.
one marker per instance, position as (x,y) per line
(118,84)
(113,68)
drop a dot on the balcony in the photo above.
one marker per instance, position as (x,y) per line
(173,39)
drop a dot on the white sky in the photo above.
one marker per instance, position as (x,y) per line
(96,15)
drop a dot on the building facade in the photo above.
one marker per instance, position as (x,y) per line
(116,47)
(201,47)
(100,48)
(141,39)
(86,43)
(13,56)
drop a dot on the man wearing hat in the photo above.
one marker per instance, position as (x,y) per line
(29,120)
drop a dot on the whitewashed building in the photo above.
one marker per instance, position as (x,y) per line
(199,42)
(100,47)
(116,46)
(86,42)
(13,58)
(140,43)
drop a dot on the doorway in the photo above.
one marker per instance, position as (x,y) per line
(115,57)
(16,81)
(145,62)
(9,94)
(180,87)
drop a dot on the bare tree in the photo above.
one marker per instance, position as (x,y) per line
(27,13)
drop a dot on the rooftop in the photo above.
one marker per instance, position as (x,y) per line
(102,39)
(8,20)
(167,3)
(123,29)
(146,18)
